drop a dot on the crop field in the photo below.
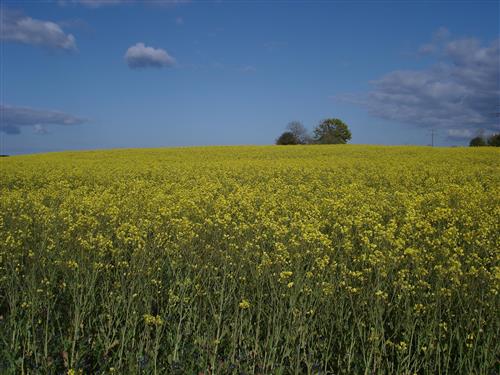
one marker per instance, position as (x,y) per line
(251,260)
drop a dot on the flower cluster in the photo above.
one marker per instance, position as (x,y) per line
(331,259)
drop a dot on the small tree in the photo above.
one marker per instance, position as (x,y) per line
(287,138)
(477,142)
(299,131)
(494,140)
(332,131)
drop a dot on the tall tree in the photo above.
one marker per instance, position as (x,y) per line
(332,131)
(494,140)
(477,141)
(299,131)
(287,138)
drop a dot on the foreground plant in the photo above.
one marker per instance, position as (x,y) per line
(333,259)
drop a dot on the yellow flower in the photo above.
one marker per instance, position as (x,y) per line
(285,275)
(402,346)
(244,304)
(153,320)
(381,294)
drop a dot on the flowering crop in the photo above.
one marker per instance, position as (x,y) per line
(306,259)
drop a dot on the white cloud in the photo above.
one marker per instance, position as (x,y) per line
(40,129)
(459,94)
(141,56)
(12,118)
(441,34)
(460,133)
(22,29)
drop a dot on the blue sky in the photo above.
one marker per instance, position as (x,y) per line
(95,74)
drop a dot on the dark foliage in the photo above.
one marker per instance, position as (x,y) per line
(494,140)
(477,142)
(332,131)
(287,138)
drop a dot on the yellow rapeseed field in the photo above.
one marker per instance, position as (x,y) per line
(251,260)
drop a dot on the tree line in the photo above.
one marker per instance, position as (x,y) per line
(481,140)
(328,131)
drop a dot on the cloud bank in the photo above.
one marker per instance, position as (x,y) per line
(459,94)
(12,118)
(141,56)
(19,28)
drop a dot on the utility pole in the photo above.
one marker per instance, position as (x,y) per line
(432,137)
